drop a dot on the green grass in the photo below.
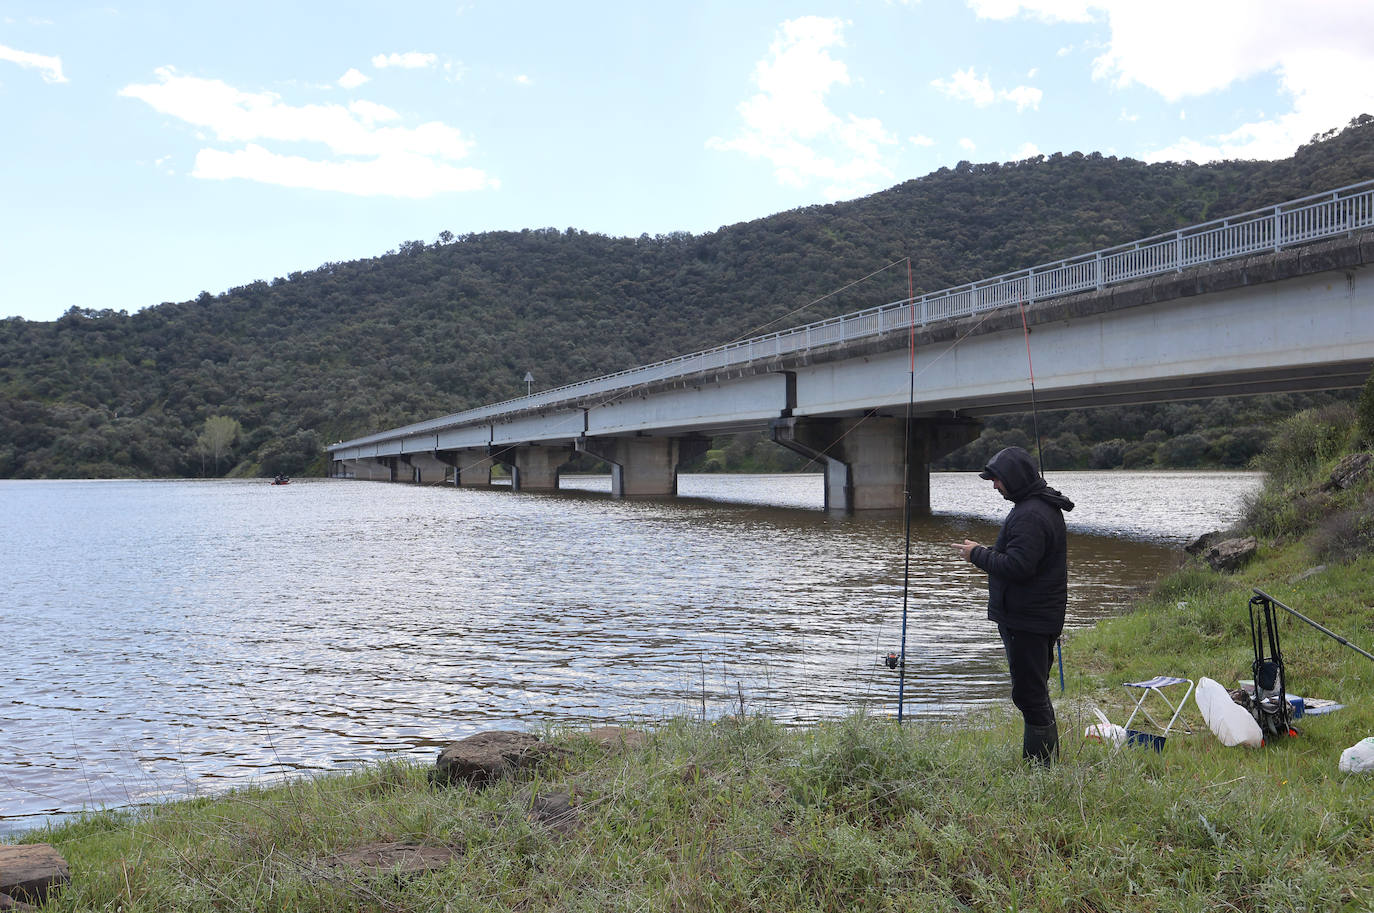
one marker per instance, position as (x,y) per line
(856,814)
(740,814)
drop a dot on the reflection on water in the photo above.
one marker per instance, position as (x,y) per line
(167,638)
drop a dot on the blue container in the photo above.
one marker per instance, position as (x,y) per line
(1136,737)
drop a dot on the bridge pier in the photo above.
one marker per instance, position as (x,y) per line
(373,469)
(470,467)
(643,466)
(862,458)
(532,468)
(427,467)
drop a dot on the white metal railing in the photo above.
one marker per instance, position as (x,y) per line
(1325,215)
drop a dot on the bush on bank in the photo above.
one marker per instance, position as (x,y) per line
(858,814)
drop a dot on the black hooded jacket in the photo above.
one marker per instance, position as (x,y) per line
(1028,572)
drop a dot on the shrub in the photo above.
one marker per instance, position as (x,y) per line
(1364,413)
(1139,456)
(1108,454)
(1345,535)
(1184,451)
(1304,441)
(1271,513)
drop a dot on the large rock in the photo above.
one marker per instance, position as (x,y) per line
(554,810)
(1232,554)
(1349,472)
(618,738)
(486,756)
(404,860)
(31,872)
(1203,542)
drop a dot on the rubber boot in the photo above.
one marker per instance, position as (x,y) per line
(1041,743)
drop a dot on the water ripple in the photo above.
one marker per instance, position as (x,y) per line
(170,638)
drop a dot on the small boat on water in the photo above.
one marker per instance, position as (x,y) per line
(281,480)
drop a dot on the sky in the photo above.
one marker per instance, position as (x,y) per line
(153,150)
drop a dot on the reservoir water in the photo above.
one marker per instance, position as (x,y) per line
(171,638)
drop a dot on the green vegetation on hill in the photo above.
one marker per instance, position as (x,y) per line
(348,348)
(738,813)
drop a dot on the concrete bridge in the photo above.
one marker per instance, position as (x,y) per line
(1279,299)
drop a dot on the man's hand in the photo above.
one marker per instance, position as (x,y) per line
(965,548)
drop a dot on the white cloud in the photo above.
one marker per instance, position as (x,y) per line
(967,85)
(790,124)
(371,112)
(367,159)
(523,80)
(1023,97)
(1128,117)
(1027,151)
(967,144)
(412,60)
(921,140)
(50,68)
(1319,51)
(353,78)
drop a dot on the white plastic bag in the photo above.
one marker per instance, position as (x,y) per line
(1232,723)
(1358,758)
(1105,730)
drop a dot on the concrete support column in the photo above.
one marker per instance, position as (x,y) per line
(373,469)
(428,468)
(469,467)
(643,466)
(533,468)
(863,458)
(449,459)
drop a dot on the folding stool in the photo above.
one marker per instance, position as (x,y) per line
(1156,686)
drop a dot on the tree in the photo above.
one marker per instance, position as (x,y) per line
(218,437)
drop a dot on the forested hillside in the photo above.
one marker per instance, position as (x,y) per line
(285,365)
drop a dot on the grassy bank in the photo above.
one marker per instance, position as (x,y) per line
(858,814)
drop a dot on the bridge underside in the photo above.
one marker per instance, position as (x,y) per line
(1292,321)
(861,459)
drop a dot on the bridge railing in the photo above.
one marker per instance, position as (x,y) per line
(1314,218)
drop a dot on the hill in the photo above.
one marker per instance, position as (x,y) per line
(431,328)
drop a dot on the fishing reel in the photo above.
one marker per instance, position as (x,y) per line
(894,660)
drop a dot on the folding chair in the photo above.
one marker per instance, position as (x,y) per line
(1156,687)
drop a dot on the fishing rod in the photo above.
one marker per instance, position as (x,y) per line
(906,493)
(1035,413)
(1327,631)
(1039,454)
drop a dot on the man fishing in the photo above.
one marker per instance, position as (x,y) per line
(1028,590)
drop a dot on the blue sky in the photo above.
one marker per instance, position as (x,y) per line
(153,150)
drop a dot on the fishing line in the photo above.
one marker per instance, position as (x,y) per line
(1039,454)
(614,396)
(810,304)
(811,461)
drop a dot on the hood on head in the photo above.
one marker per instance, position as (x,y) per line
(1015,468)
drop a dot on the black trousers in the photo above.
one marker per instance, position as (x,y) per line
(1029,657)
